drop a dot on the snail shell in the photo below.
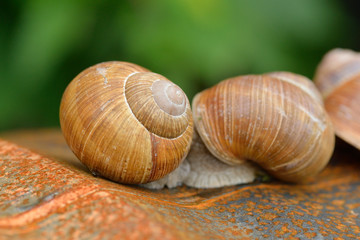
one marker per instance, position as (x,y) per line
(338,79)
(126,123)
(276,120)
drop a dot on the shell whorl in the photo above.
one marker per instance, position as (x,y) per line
(269,120)
(106,114)
(151,96)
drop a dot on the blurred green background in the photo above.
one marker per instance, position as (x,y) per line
(45,44)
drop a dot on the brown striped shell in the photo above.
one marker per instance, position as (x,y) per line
(276,120)
(126,123)
(338,79)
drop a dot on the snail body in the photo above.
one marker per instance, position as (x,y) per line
(276,120)
(338,79)
(126,123)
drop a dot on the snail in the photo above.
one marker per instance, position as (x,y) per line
(338,79)
(276,121)
(126,123)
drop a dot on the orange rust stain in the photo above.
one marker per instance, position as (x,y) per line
(270,216)
(43,196)
(44,209)
(338,202)
(310,234)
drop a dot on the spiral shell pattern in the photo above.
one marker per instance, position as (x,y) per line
(126,123)
(276,120)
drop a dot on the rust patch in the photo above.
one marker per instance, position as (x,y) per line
(43,197)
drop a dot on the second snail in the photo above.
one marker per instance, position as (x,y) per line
(276,121)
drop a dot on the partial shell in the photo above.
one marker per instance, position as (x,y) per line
(123,123)
(338,78)
(268,119)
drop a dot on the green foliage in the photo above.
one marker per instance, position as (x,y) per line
(44,44)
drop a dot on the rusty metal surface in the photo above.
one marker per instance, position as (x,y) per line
(56,197)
